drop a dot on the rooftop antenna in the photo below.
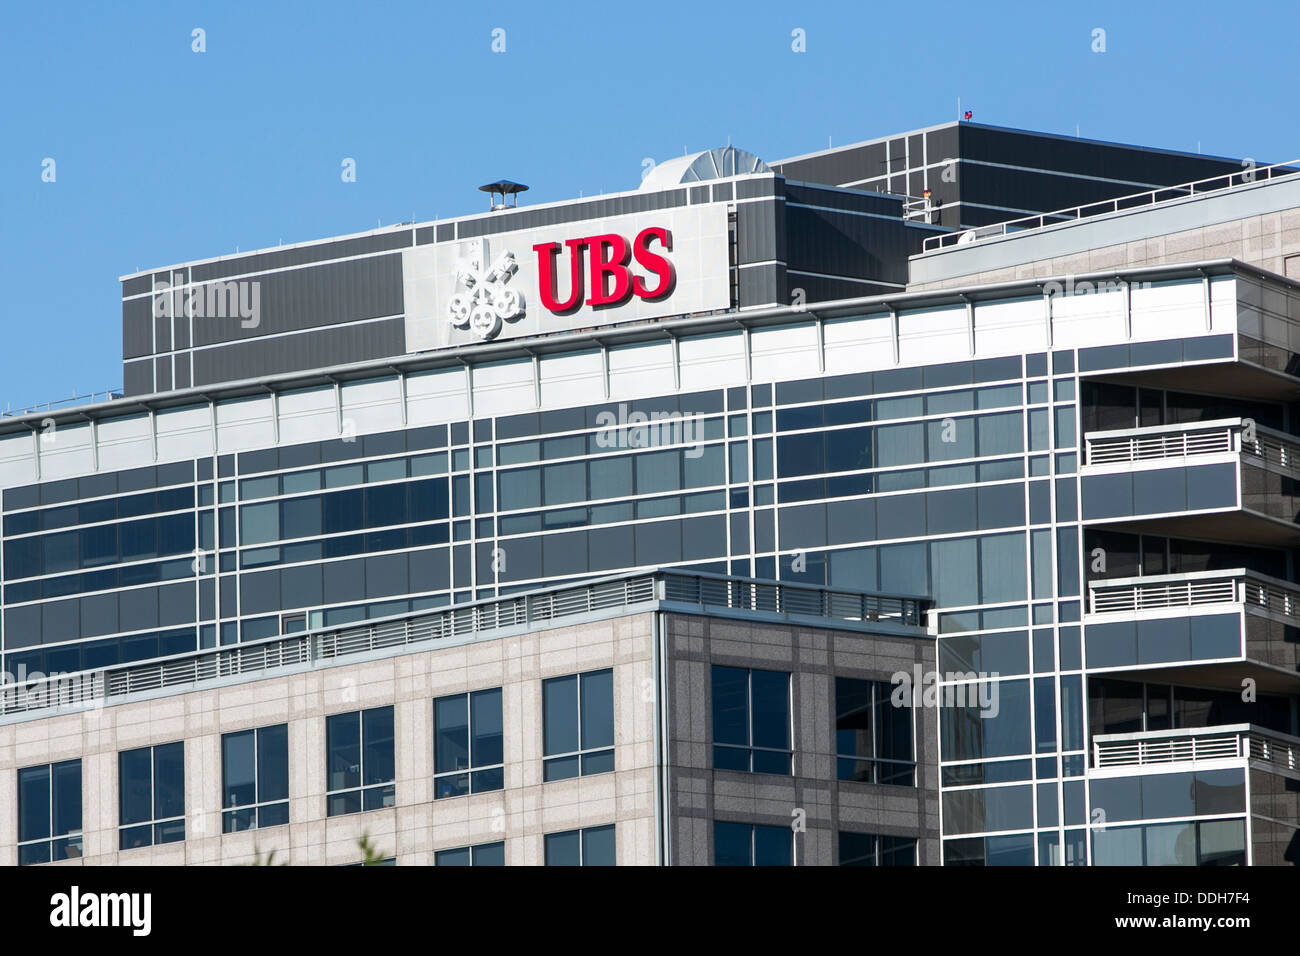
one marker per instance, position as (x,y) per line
(504,188)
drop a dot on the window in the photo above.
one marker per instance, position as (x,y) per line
(593,846)
(359,759)
(467,744)
(869,849)
(255,778)
(484,854)
(985,719)
(751,720)
(749,844)
(49,812)
(873,738)
(151,794)
(578,732)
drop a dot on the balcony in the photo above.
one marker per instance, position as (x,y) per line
(1220,795)
(1228,479)
(1226,624)
(1272,751)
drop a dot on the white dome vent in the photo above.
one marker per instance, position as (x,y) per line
(719,163)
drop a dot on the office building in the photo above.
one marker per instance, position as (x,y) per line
(616,530)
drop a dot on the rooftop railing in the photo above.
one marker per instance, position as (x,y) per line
(1259,445)
(1171,591)
(709,591)
(1151,197)
(1194,745)
(107,395)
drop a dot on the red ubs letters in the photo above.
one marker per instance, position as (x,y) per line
(612,282)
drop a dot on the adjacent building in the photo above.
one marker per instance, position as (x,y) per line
(756,515)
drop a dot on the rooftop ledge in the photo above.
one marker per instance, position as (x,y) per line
(491,619)
(627,332)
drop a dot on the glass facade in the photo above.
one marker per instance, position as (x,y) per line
(960,480)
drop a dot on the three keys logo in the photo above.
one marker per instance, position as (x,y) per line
(483,300)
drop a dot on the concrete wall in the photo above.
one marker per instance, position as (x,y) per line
(418,825)
(1258,224)
(700,795)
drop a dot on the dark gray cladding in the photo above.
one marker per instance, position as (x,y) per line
(569,212)
(318,348)
(986,174)
(314,297)
(294,309)
(827,226)
(298,256)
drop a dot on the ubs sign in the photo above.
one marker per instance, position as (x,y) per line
(612,282)
(532,282)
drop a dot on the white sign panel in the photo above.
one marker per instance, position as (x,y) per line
(572,276)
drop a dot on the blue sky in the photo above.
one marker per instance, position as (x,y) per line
(165,155)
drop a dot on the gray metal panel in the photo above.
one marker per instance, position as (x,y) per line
(758,188)
(137,328)
(526,218)
(756,232)
(307,350)
(301,255)
(163,373)
(822,289)
(182,371)
(137,286)
(836,198)
(137,377)
(162,334)
(314,297)
(834,243)
(762,285)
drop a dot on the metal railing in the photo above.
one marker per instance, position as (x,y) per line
(1151,197)
(107,395)
(481,617)
(1227,742)
(1158,592)
(1261,446)
(800,599)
